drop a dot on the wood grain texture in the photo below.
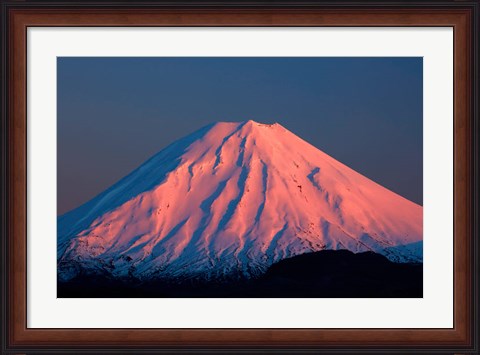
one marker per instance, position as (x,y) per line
(18,336)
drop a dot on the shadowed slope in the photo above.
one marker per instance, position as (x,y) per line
(325,273)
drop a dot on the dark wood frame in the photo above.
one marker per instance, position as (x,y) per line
(16,16)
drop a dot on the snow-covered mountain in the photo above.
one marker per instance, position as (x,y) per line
(229,200)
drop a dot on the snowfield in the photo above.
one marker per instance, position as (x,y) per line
(228,201)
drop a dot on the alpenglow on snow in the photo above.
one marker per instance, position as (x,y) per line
(229,200)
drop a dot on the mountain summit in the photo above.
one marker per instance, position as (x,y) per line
(229,200)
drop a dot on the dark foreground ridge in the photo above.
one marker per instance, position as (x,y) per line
(324,274)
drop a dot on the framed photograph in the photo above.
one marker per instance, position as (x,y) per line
(211,177)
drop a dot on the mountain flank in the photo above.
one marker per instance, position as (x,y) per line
(226,203)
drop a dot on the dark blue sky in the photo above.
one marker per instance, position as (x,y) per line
(114,113)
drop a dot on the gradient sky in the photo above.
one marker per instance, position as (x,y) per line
(114,113)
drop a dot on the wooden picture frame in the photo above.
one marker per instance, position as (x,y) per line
(17,16)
